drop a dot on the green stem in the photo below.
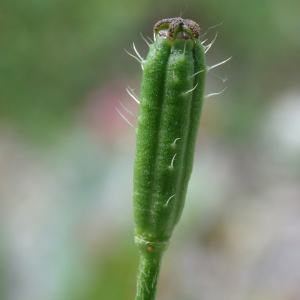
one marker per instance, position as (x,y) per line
(171,100)
(150,262)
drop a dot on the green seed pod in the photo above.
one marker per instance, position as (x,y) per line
(171,100)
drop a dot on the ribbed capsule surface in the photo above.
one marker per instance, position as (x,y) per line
(171,99)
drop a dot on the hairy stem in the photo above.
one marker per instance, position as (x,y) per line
(171,100)
(150,263)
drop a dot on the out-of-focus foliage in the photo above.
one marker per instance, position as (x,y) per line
(53,52)
(65,209)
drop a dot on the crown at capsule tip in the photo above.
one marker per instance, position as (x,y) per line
(177,27)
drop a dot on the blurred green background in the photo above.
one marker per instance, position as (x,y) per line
(66,156)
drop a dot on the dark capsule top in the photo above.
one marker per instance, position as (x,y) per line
(177,27)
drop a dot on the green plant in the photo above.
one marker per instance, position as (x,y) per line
(171,100)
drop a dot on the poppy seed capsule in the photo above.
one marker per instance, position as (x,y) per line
(172,95)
